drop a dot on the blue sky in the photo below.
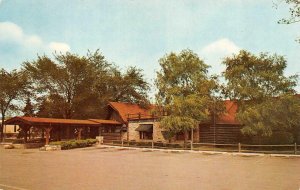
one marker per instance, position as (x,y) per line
(138,33)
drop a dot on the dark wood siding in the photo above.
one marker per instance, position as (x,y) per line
(114,115)
(223,133)
(111,133)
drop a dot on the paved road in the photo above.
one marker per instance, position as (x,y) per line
(91,168)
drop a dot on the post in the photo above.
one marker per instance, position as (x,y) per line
(43,133)
(122,142)
(79,133)
(295,148)
(240,147)
(152,144)
(47,131)
(68,131)
(25,134)
(191,145)
(192,138)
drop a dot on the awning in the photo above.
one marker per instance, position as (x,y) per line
(145,128)
(38,121)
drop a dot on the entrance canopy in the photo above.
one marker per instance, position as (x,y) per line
(38,121)
(61,127)
(145,128)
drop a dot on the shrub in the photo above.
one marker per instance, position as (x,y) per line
(18,141)
(279,137)
(65,145)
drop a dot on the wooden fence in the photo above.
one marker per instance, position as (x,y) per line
(239,147)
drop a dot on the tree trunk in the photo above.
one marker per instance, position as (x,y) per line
(2,127)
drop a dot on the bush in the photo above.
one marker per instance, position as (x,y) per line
(65,145)
(277,138)
(18,141)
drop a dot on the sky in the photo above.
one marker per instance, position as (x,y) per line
(139,33)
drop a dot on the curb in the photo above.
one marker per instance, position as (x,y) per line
(202,152)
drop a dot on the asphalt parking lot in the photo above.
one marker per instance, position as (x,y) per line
(95,168)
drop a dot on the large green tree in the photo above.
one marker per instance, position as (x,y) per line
(66,79)
(185,92)
(278,118)
(13,86)
(73,86)
(129,86)
(28,110)
(254,78)
(255,81)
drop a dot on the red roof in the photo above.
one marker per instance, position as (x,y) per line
(229,116)
(39,120)
(124,109)
(133,109)
(103,121)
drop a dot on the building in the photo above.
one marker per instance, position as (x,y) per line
(139,124)
(130,122)
(10,131)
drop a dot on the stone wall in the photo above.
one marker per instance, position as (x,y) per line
(157,132)
(134,135)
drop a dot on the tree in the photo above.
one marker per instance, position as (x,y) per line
(185,92)
(255,82)
(129,87)
(66,81)
(253,78)
(275,116)
(294,13)
(12,86)
(28,109)
(73,86)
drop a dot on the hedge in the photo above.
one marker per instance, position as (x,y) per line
(65,145)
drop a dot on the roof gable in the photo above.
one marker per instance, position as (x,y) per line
(125,109)
(229,117)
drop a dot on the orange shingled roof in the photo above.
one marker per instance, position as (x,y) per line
(39,120)
(103,121)
(128,108)
(229,116)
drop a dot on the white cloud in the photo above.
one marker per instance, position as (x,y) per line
(10,32)
(214,53)
(222,46)
(34,41)
(59,47)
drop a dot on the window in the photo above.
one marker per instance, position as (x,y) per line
(145,131)
(146,135)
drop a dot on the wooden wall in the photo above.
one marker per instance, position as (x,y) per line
(224,133)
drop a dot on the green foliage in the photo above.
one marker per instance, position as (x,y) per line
(13,87)
(185,91)
(276,138)
(294,12)
(28,109)
(65,145)
(73,86)
(251,77)
(276,114)
(264,95)
(129,87)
